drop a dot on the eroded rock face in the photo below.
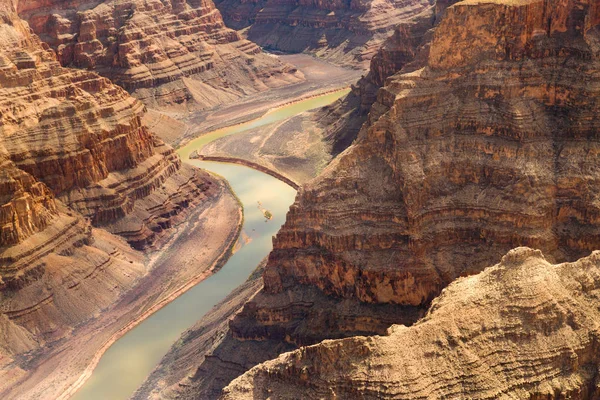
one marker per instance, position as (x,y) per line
(81,136)
(480,151)
(489,144)
(74,154)
(522,329)
(28,206)
(163,52)
(344,32)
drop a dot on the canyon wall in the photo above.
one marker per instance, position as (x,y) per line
(522,329)
(344,32)
(165,53)
(486,140)
(82,137)
(73,155)
(488,147)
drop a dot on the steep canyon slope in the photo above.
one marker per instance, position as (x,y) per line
(165,53)
(488,147)
(522,329)
(486,140)
(300,147)
(344,32)
(74,156)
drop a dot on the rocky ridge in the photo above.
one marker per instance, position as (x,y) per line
(344,32)
(73,155)
(484,141)
(478,153)
(165,53)
(522,329)
(82,137)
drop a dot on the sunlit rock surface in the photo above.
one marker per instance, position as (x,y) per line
(165,53)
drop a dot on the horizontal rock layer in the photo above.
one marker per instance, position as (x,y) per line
(344,32)
(486,140)
(163,52)
(523,329)
(82,137)
(463,166)
(74,154)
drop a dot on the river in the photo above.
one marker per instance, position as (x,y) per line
(127,363)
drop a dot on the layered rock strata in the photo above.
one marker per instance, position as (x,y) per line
(74,154)
(82,137)
(165,53)
(406,49)
(490,145)
(480,151)
(344,32)
(522,329)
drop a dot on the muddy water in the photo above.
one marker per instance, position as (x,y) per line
(127,363)
(275,115)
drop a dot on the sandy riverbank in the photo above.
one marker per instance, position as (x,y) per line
(55,371)
(321,77)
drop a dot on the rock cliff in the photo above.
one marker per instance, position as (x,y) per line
(81,136)
(488,147)
(74,154)
(486,141)
(165,53)
(344,32)
(522,329)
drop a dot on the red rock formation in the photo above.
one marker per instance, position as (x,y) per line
(163,52)
(28,205)
(82,137)
(345,32)
(523,329)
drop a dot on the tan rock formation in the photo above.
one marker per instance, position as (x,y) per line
(73,153)
(55,270)
(82,137)
(489,145)
(523,329)
(480,151)
(344,32)
(163,52)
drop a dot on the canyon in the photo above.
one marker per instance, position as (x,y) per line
(443,241)
(84,185)
(523,328)
(93,201)
(174,55)
(480,136)
(342,32)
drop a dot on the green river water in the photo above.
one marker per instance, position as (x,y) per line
(126,364)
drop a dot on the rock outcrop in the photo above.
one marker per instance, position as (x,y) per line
(344,32)
(82,137)
(165,53)
(73,155)
(489,144)
(406,49)
(488,147)
(522,329)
